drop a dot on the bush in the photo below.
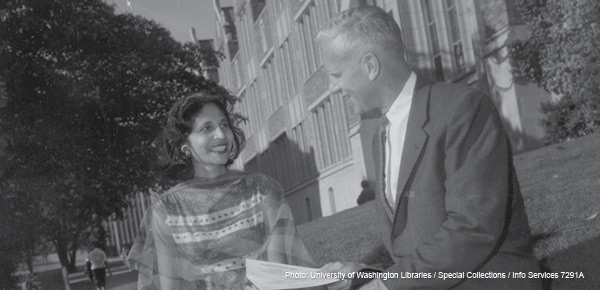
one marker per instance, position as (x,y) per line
(570,118)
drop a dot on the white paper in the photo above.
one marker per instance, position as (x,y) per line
(270,276)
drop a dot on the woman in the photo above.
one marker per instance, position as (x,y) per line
(198,234)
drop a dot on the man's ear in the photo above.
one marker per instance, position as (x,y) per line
(371,65)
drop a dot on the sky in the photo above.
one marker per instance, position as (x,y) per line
(178,16)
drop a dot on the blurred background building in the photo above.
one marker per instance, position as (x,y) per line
(314,142)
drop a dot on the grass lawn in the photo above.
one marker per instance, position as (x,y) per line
(561,187)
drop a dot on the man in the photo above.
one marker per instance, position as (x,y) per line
(367,193)
(98,265)
(446,191)
(88,269)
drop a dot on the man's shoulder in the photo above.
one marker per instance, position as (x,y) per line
(447,99)
(96,256)
(452,93)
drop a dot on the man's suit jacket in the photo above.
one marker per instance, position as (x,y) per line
(458,205)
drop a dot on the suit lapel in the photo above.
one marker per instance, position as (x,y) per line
(414,143)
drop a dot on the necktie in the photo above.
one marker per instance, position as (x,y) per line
(384,164)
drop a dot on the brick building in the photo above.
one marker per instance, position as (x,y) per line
(312,141)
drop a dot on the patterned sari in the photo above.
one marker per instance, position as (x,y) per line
(198,234)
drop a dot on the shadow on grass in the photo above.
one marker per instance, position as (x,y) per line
(581,258)
(347,235)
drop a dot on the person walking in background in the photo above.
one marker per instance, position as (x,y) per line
(446,189)
(44,250)
(198,234)
(88,269)
(124,253)
(366,193)
(99,265)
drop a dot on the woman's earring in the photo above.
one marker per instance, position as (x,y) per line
(186,153)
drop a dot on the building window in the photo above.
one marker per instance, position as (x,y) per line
(263,36)
(321,139)
(330,133)
(332,7)
(270,92)
(439,68)
(331,140)
(308,209)
(457,46)
(276,85)
(242,108)
(434,43)
(255,100)
(350,111)
(305,167)
(289,74)
(257,7)
(278,6)
(332,200)
(309,24)
(230,32)
(238,75)
(340,126)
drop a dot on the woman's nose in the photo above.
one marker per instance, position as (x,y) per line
(219,133)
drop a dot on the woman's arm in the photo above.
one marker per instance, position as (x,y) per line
(283,245)
(153,253)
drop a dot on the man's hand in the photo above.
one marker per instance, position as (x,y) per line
(343,267)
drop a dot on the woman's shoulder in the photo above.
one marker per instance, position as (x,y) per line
(169,196)
(261,179)
(173,191)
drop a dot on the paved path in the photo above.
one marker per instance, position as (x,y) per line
(122,278)
(80,276)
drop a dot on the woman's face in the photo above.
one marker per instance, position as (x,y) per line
(211,140)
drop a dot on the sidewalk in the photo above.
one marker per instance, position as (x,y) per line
(54,263)
(51,274)
(116,268)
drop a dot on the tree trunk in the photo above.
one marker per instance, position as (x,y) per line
(62,248)
(101,233)
(29,259)
(72,267)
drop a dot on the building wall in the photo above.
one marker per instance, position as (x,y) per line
(314,142)
(297,132)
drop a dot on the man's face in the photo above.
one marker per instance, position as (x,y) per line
(346,75)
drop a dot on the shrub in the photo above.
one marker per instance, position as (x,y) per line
(570,118)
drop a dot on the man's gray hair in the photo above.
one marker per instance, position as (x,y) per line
(357,30)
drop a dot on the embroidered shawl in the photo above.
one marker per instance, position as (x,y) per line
(198,234)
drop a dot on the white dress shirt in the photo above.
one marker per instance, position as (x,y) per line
(97,257)
(397,116)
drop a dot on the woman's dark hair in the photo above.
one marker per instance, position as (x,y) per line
(180,122)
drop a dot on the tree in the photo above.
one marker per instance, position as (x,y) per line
(562,56)
(87,91)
